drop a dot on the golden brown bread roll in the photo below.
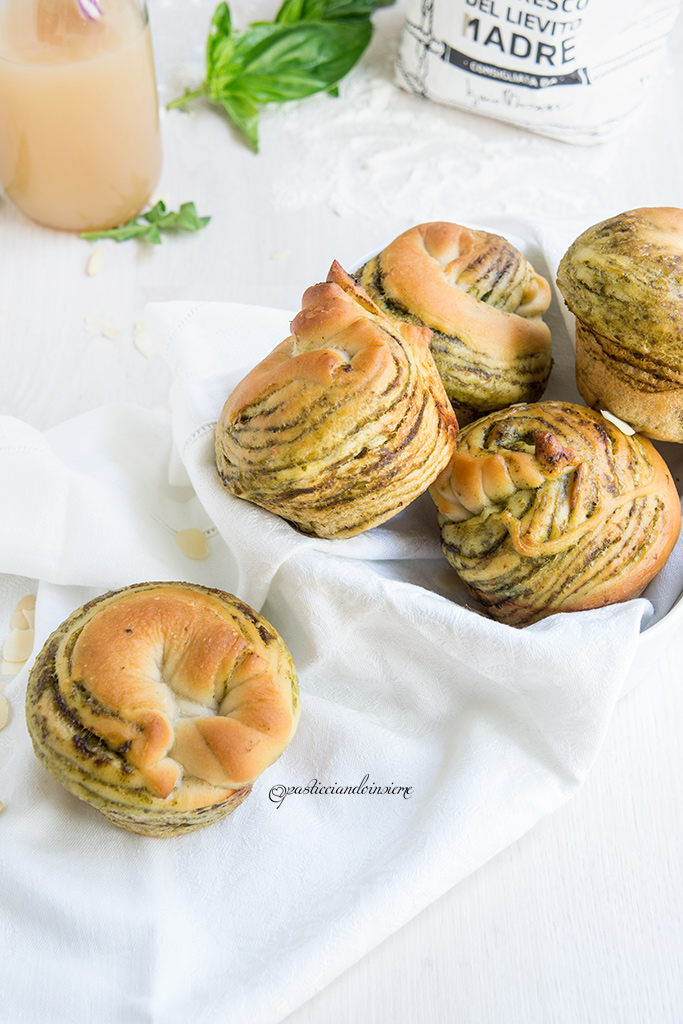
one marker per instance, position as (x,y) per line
(483,301)
(344,423)
(161,703)
(549,507)
(623,280)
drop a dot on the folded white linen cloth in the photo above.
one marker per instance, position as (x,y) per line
(453,733)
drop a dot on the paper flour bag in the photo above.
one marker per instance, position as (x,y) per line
(571,69)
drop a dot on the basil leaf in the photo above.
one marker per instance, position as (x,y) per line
(243,112)
(327,10)
(241,46)
(293,61)
(220,46)
(309,47)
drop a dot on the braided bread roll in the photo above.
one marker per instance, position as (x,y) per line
(623,280)
(344,423)
(549,507)
(161,703)
(484,303)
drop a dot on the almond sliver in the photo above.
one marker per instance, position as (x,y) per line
(4,711)
(96,325)
(24,614)
(620,424)
(192,543)
(11,668)
(18,645)
(94,264)
(143,339)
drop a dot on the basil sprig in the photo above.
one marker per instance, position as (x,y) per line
(308,48)
(148,226)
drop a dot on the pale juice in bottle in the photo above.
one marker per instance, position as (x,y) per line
(79,126)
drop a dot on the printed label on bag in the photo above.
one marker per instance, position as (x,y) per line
(568,68)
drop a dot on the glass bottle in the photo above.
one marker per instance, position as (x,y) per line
(80,147)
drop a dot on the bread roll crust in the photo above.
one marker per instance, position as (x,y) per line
(161,703)
(484,303)
(344,423)
(549,507)
(623,280)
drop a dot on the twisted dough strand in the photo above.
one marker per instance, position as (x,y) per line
(483,302)
(344,423)
(550,507)
(159,704)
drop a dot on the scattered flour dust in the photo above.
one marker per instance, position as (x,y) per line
(377,151)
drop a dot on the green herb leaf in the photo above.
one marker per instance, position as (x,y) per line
(292,61)
(148,226)
(243,112)
(309,47)
(220,46)
(327,10)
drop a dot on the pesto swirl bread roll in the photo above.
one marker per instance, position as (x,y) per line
(161,703)
(483,302)
(623,280)
(549,508)
(344,423)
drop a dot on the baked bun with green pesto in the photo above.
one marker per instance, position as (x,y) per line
(549,507)
(161,703)
(344,423)
(484,303)
(623,280)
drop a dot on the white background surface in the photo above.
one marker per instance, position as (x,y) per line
(580,921)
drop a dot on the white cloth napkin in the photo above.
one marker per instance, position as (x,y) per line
(476,729)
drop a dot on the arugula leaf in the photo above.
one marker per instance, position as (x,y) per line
(309,47)
(148,226)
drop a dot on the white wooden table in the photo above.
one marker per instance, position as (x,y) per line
(580,921)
